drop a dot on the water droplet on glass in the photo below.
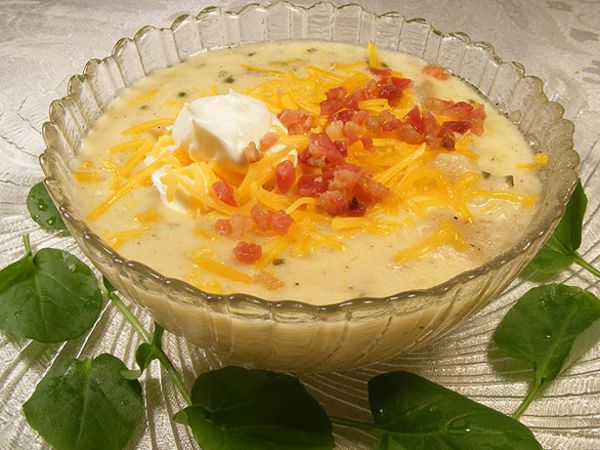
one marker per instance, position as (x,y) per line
(42,205)
(50,221)
(548,336)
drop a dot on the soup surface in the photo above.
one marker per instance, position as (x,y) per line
(308,171)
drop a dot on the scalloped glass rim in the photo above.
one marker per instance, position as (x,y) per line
(535,237)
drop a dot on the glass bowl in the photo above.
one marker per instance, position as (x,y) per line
(291,335)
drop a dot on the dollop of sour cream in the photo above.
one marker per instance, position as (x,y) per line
(220,127)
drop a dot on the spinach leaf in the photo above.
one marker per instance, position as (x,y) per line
(561,249)
(550,327)
(86,405)
(411,412)
(49,297)
(255,409)
(42,209)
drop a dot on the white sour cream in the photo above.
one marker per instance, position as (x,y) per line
(220,127)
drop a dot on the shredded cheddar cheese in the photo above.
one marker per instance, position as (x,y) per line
(407,172)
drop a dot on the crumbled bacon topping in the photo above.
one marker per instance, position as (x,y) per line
(438,72)
(297,121)
(223,227)
(247,252)
(268,140)
(224,192)
(251,153)
(267,220)
(285,175)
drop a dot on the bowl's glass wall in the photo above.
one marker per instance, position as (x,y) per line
(292,335)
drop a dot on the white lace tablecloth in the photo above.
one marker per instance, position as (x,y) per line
(44,42)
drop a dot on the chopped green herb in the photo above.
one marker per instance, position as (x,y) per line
(510,180)
(311,50)
(251,54)
(485,174)
(229,79)
(278,261)
(144,107)
(181,94)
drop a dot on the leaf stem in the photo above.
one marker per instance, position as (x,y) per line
(175,377)
(27,244)
(586,265)
(123,309)
(531,396)
(161,355)
(369,427)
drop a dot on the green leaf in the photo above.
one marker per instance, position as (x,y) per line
(550,327)
(42,209)
(413,413)
(561,249)
(86,405)
(49,297)
(237,408)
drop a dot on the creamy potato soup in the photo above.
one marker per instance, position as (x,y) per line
(309,171)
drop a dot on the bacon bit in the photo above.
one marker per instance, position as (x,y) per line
(321,151)
(335,129)
(473,115)
(268,140)
(351,130)
(311,185)
(454,127)
(373,123)
(414,119)
(251,153)
(239,225)
(371,89)
(345,177)
(360,117)
(431,125)
(380,73)
(409,134)
(223,227)
(356,207)
(267,220)
(334,203)
(285,174)
(370,190)
(438,72)
(280,222)
(267,280)
(261,218)
(391,93)
(367,142)
(389,121)
(336,98)
(344,115)
(297,121)
(247,252)
(477,118)
(224,192)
